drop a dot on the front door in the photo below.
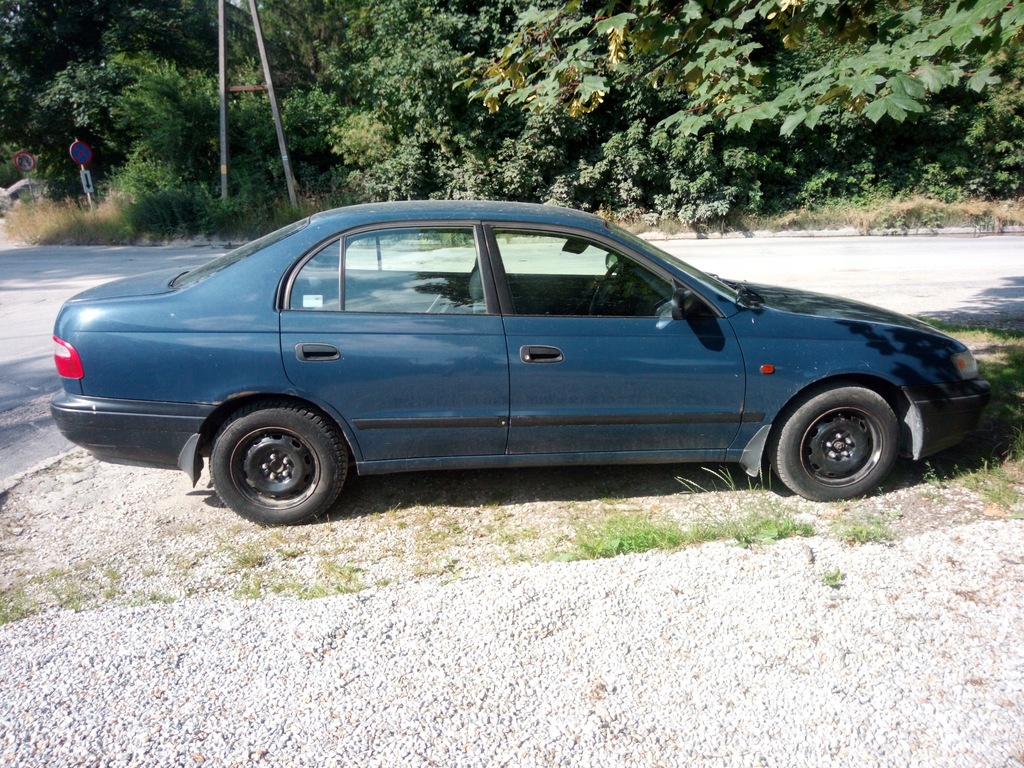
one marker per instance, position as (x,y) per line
(596,362)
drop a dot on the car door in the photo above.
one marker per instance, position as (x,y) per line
(391,328)
(596,362)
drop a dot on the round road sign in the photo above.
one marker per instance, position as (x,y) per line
(25,162)
(81,153)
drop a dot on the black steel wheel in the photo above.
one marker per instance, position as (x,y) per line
(278,464)
(836,444)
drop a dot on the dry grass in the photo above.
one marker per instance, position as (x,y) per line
(906,215)
(902,215)
(68,223)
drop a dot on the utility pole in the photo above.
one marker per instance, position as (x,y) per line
(223,78)
(269,88)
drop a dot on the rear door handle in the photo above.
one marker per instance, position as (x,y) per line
(316,353)
(540,354)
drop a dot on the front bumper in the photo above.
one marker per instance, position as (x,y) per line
(941,415)
(138,432)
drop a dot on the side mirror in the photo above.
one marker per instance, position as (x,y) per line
(683,303)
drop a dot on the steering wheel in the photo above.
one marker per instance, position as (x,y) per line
(604,293)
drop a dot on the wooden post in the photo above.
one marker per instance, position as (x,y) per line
(282,144)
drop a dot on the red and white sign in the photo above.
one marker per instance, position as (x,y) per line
(25,162)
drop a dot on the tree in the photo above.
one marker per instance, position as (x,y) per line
(64,65)
(891,56)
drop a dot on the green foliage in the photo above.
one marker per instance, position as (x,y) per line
(894,57)
(373,108)
(171,213)
(172,116)
(66,65)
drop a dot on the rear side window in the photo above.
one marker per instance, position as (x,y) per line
(316,286)
(431,270)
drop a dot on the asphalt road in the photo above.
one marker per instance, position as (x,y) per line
(943,277)
(34,282)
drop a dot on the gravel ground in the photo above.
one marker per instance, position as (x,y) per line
(462,643)
(448,636)
(709,656)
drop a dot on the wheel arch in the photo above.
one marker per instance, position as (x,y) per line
(853,454)
(756,455)
(202,444)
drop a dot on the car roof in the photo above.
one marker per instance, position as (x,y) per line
(455,210)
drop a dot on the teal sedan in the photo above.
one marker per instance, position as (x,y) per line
(451,334)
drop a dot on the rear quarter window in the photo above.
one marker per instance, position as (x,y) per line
(237,255)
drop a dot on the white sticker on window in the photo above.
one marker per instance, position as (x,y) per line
(312,301)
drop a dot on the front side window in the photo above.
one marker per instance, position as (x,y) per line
(560,274)
(431,270)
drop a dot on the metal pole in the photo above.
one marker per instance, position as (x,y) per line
(289,179)
(223,56)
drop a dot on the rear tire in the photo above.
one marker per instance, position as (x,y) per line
(276,463)
(837,444)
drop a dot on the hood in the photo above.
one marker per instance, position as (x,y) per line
(833,307)
(147,284)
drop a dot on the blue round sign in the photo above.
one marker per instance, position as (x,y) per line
(81,153)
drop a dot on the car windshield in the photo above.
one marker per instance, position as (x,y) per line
(688,269)
(232,257)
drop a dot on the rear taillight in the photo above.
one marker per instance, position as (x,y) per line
(69,364)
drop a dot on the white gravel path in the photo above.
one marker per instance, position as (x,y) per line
(713,656)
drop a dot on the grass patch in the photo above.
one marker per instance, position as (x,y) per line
(631,534)
(625,534)
(991,462)
(15,604)
(994,483)
(833,578)
(150,598)
(767,529)
(333,579)
(81,587)
(866,529)
(247,557)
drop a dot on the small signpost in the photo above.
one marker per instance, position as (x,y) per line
(26,163)
(81,153)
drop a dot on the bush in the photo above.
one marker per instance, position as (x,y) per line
(171,213)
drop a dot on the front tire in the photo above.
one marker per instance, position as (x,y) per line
(837,444)
(275,463)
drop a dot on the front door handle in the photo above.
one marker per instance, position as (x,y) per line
(538,354)
(316,353)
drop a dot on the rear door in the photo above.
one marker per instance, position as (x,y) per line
(596,362)
(396,328)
